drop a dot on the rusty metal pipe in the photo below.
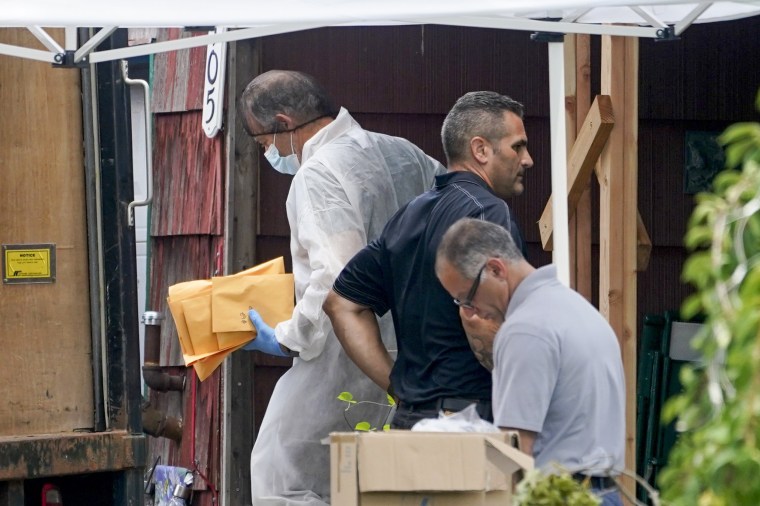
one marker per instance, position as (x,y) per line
(157,424)
(153,374)
(162,381)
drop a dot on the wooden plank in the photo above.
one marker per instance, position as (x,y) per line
(242,164)
(571,131)
(46,375)
(583,155)
(37,456)
(618,208)
(244,61)
(630,217)
(581,220)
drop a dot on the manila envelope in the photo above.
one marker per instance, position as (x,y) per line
(232,339)
(177,293)
(190,289)
(205,366)
(190,304)
(197,311)
(274,266)
(272,295)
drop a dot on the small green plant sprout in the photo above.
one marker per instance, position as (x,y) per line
(365,426)
(553,490)
(561,489)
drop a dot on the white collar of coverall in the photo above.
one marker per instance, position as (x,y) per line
(340,125)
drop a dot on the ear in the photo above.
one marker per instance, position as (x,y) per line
(480,149)
(497,267)
(285,120)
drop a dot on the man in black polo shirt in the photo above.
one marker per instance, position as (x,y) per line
(487,155)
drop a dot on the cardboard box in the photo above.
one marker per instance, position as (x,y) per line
(400,468)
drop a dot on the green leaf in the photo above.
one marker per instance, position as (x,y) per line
(387,427)
(391,400)
(346,397)
(738,132)
(737,152)
(698,237)
(691,307)
(725,180)
(363,426)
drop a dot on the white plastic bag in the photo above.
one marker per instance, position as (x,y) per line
(466,420)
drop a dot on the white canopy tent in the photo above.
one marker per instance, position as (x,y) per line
(241,19)
(245,19)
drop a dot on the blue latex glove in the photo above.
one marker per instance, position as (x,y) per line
(265,341)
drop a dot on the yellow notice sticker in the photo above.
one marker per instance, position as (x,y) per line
(29,263)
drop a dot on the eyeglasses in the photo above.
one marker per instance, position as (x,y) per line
(278,131)
(467,302)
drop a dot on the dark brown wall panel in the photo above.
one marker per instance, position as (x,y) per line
(273,219)
(414,69)
(270,246)
(711,73)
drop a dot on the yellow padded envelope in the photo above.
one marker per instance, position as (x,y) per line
(233,296)
(205,366)
(198,316)
(177,293)
(211,316)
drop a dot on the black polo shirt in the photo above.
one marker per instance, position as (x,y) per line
(397,272)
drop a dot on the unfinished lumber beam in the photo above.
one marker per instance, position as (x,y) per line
(618,200)
(583,155)
(580,223)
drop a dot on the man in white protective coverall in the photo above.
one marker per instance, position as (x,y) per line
(347,183)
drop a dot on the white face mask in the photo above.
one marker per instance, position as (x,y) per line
(282,164)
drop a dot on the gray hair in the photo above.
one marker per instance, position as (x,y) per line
(469,243)
(477,113)
(295,94)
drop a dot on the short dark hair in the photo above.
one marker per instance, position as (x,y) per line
(477,113)
(468,243)
(296,94)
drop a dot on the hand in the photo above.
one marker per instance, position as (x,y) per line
(265,340)
(480,333)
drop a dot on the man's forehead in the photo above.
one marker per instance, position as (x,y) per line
(251,122)
(450,273)
(514,125)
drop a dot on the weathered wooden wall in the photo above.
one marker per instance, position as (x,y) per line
(46,374)
(186,234)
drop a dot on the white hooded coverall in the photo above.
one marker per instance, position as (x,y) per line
(350,183)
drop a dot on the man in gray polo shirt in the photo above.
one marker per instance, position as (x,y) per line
(558,375)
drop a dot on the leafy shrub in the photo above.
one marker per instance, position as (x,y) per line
(716,460)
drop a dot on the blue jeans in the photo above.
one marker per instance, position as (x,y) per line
(609,496)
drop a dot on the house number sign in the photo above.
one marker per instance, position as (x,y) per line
(213,87)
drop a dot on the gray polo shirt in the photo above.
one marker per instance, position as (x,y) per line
(558,372)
